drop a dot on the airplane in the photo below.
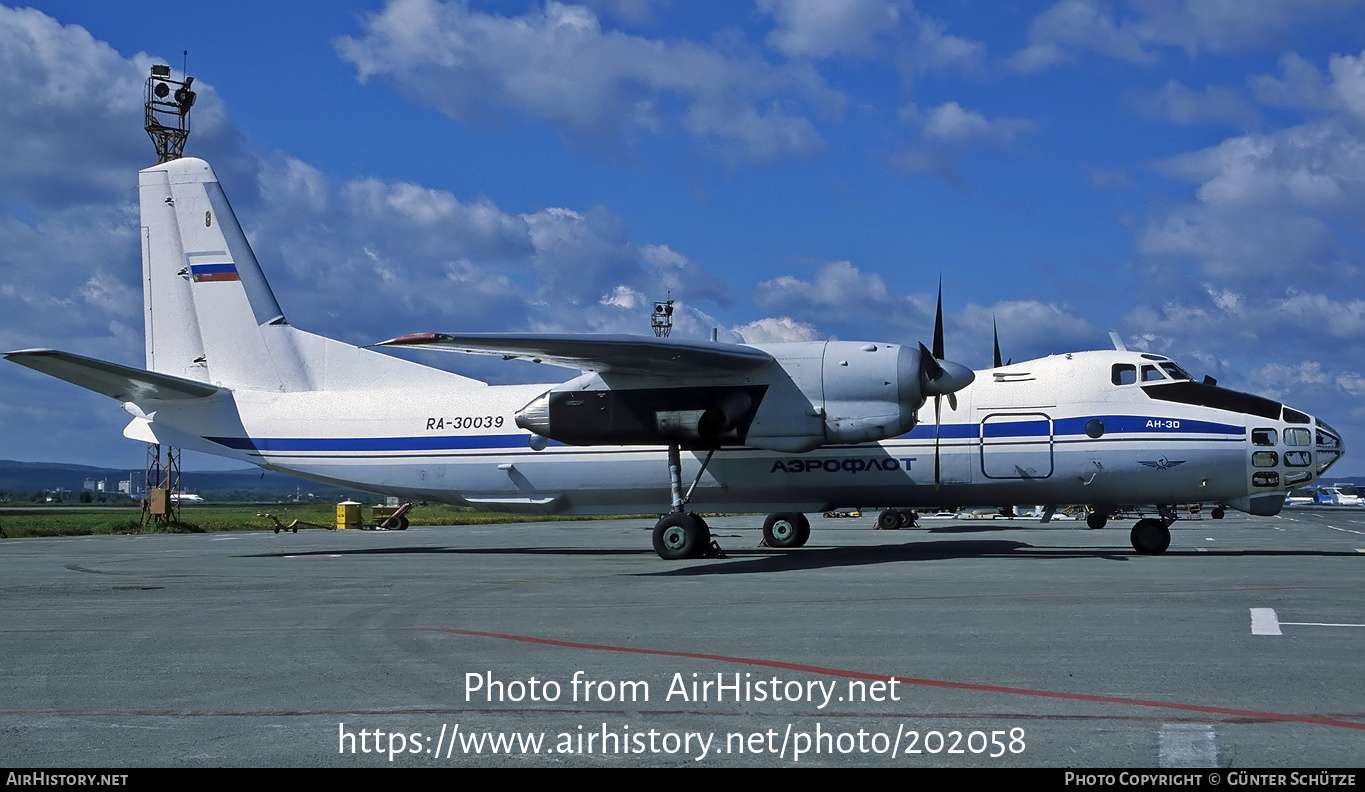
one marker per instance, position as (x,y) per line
(785,428)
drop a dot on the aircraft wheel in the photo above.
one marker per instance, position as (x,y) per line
(678,536)
(1217,513)
(1096,519)
(1150,537)
(889,520)
(403,523)
(907,520)
(786,530)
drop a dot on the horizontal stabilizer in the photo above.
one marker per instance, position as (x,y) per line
(118,382)
(622,354)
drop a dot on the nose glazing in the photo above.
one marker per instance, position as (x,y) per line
(1329,446)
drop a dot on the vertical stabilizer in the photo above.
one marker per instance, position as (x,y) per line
(173,343)
(210,314)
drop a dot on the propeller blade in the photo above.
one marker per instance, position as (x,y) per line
(996,333)
(938,407)
(952,402)
(928,365)
(938,324)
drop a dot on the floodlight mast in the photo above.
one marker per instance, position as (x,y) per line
(662,318)
(167,116)
(167,121)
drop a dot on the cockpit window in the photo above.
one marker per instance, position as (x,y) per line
(1294,416)
(1297,437)
(1263,437)
(1152,374)
(1124,374)
(1175,371)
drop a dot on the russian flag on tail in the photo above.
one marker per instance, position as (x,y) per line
(204,273)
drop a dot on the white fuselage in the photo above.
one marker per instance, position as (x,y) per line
(1057,430)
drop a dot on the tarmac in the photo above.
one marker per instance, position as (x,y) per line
(961,643)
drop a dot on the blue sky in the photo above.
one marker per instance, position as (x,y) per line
(1190,174)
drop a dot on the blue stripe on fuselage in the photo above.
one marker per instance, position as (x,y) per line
(1030,427)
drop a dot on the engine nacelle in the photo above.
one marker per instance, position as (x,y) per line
(812,394)
(870,391)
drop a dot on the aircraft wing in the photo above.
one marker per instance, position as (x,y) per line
(124,383)
(624,354)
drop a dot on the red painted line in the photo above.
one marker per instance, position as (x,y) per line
(835,672)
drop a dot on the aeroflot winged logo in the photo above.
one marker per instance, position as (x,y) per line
(1162,463)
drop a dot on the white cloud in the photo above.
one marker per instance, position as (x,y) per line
(1137,31)
(838,291)
(1177,103)
(1273,211)
(776,329)
(870,29)
(947,133)
(558,65)
(819,29)
(1079,24)
(861,305)
(1341,90)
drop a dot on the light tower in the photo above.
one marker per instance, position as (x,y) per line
(167,121)
(662,318)
(168,112)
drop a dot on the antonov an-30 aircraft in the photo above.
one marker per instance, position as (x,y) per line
(789,428)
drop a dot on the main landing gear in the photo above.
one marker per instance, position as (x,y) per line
(681,534)
(891,519)
(1152,536)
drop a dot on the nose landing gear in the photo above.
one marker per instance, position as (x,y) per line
(1152,536)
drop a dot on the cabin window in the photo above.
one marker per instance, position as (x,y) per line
(1175,371)
(1298,458)
(1152,374)
(1263,437)
(1297,437)
(1264,459)
(1125,374)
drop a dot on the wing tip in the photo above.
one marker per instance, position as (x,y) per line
(411,339)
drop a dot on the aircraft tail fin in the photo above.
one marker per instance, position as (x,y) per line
(210,314)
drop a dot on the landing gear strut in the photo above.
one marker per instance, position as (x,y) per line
(1151,536)
(680,534)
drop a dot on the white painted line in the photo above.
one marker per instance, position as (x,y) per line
(1320,624)
(1346,530)
(1264,622)
(1186,745)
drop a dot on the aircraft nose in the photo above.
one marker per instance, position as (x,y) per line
(1329,445)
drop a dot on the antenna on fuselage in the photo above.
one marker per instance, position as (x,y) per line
(1118,342)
